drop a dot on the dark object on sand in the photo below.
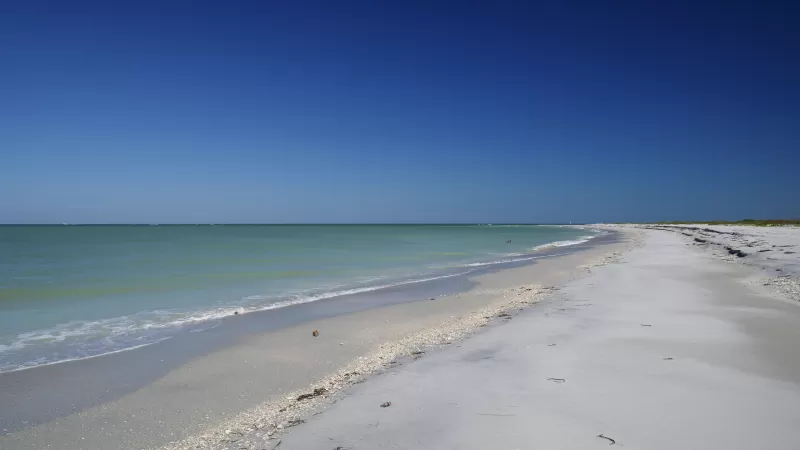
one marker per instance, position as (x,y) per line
(508,241)
(668,358)
(317,392)
(315,333)
(702,241)
(606,437)
(506,315)
(646,325)
(557,380)
(386,404)
(736,252)
(419,352)
(295,422)
(236,313)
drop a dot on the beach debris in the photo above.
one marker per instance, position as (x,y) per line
(551,345)
(646,325)
(508,241)
(611,441)
(504,315)
(668,358)
(433,298)
(557,380)
(317,392)
(277,445)
(236,313)
(295,422)
(733,251)
(341,448)
(386,404)
(418,352)
(315,333)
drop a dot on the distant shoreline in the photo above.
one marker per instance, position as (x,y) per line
(278,224)
(751,222)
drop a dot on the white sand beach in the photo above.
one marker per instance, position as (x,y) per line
(251,386)
(407,225)
(654,341)
(668,348)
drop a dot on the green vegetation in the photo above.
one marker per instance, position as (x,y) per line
(751,222)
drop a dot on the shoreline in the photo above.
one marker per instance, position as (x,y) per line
(185,375)
(669,347)
(190,321)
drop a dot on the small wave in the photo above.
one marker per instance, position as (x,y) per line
(501,261)
(44,361)
(580,240)
(90,339)
(299,299)
(510,260)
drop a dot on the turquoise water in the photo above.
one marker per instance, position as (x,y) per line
(70,292)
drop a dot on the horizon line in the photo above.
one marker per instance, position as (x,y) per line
(283,223)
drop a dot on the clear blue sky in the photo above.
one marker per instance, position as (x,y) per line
(337,111)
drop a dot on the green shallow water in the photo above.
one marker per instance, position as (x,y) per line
(75,291)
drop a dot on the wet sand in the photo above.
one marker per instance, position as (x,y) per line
(182,397)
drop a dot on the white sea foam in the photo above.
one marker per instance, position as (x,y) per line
(510,260)
(44,361)
(126,332)
(501,261)
(580,240)
(87,339)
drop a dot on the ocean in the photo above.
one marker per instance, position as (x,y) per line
(74,292)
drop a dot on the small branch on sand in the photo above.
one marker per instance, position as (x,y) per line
(317,392)
(557,380)
(295,422)
(606,437)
